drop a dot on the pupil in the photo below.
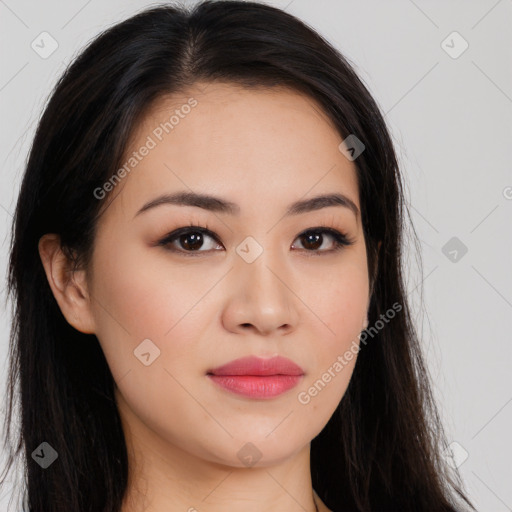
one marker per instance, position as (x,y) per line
(194,236)
(315,238)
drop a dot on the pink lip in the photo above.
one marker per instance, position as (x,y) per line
(257,378)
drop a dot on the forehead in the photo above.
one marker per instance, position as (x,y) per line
(261,146)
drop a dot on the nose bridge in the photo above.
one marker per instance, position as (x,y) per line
(262,269)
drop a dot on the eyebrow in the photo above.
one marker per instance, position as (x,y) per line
(216,204)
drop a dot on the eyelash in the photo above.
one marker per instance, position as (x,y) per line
(340,239)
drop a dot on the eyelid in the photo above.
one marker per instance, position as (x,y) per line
(340,237)
(191,228)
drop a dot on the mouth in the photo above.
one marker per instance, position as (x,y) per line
(254,377)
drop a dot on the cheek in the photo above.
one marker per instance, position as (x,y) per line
(340,306)
(340,301)
(140,298)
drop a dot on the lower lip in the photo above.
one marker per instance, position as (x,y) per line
(254,386)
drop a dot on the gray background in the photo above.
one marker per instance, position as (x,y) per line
(451,122)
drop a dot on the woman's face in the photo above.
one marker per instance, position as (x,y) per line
(166,312)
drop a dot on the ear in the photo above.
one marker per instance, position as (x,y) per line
(69,288)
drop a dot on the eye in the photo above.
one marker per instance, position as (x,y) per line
(190,239)
(314,238)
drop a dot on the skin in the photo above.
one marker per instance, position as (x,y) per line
(262,149)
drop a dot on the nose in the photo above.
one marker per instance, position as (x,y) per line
(260,298)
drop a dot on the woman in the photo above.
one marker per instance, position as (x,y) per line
(206,268)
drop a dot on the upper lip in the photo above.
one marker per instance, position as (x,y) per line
(253,365)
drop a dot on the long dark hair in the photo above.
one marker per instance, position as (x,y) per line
(382,449)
